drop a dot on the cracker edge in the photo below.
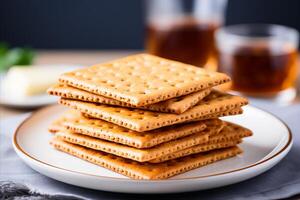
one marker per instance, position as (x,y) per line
(140,155)
(139,100)
(133,170)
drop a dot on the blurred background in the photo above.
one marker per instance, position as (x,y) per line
(113,24)
(262,60)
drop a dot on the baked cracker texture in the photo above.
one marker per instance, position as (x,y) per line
(143,79)
(150,171)
(57,124)
(230,135)
(108,131)
(196,149)
(175,105)
(141,120)
(141,155)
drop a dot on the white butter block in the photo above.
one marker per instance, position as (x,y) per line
(32,80)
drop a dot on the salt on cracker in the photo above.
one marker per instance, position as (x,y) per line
(175,105)
(107,131)
(140,155)
(137,170)
(143,79)
(141,120)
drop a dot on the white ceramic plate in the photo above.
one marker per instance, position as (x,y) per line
(271,141)
(31,101)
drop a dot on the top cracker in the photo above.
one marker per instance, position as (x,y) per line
(143,79)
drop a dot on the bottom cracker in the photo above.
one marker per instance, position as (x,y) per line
(138,170)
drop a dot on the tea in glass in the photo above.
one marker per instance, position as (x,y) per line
(178,32)
(261,59)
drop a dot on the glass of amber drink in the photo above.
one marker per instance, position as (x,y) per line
(260,58)
(183,30)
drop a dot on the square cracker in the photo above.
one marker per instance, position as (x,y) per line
(175,105)
(141,120)
(235,111)
(107,131)
(230,135)
(138,170)
(143,79)
(140,155)
(196,149)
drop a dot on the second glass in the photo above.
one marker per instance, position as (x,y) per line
(260,58)
(184,30)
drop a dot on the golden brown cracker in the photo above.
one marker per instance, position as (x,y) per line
(179,104)
(196,149)
(141,120)
(235,111)
(140,155)
(57,124)
(69,92)
(105,130)
(230,132)
(137,170)
(213,126)
(143,79)
(175,105)
(230,135)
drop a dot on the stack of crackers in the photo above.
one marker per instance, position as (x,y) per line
(146,117)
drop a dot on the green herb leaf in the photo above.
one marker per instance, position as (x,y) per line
(15,56)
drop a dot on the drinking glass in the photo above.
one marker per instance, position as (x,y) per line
(260,58)
(183,30)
